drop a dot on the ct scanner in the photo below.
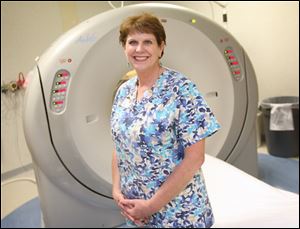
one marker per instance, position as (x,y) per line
(68,104)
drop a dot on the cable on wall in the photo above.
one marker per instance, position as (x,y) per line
(113,6)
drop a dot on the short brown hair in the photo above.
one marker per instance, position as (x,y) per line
(143,23)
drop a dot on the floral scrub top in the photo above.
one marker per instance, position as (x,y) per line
(150,136)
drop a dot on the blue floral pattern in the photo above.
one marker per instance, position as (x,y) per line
(150,136)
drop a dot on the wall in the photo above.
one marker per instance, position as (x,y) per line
(27,28)
(269,32)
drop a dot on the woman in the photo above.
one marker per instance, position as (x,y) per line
(159,124)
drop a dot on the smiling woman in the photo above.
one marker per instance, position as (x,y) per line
(71,143)
(159,124)
(143,52)
(143,39)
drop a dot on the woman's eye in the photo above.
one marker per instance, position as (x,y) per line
(148,42)
(132,42)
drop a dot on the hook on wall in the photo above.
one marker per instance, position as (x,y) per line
(15,85)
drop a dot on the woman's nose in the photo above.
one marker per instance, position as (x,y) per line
(139,48)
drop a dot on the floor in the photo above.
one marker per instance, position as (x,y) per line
(17,191)
(22,188)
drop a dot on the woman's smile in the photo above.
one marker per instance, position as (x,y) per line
(141,58)
(142,51)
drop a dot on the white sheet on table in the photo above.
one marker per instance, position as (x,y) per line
(241,200)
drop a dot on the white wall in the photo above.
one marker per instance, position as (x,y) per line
(27,28)
(269,32)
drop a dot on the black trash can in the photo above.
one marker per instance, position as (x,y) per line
(282,141)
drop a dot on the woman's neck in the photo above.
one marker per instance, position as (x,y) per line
(147,78)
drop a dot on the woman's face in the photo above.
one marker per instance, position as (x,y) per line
(142,50)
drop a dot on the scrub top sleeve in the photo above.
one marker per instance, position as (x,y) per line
(196,120)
